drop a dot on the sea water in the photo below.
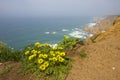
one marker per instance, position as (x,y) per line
(19,32)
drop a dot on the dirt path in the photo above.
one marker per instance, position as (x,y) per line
(102,63)
(12,71)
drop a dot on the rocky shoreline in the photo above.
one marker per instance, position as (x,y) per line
(100,25)
(106,28)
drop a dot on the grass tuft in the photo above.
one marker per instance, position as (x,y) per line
(82,54)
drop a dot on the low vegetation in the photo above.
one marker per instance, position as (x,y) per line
(43,60)
(8,54)
(82,54)
(68,42)
(5,70)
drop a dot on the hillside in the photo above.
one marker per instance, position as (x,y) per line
(103,56)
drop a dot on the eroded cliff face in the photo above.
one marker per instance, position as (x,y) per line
(101,25)
(108,30)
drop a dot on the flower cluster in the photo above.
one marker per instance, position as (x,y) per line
(45,56)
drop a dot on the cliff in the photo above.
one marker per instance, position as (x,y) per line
(110,31)
(101,24)
(103,56)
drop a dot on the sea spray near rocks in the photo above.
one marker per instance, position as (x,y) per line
(100,24)
(79,33)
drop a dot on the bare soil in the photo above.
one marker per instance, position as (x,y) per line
(102,62)
(12,71)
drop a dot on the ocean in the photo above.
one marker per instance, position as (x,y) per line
(19,32)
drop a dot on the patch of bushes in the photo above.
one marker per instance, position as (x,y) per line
(8,54)
(43,60)
(68,42)
(46,60)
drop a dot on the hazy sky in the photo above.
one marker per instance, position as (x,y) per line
(59,7)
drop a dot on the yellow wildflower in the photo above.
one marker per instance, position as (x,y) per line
(52,53)
(58,56)
(45,56)
(60,48)
(62,53)
(37,44)
(34,55)
(42,67)
(40,61)
(61,59)
(55,48)
(27,52)
(46,63)
(40,55)
(46,44)
(39,52)
(57,52)
(54,59)
(33,51)
(30,57)
(50,59)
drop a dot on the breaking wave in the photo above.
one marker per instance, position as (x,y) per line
(50,32)
(65,30)
(79,33)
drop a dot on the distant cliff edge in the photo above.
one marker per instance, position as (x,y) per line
(106,28)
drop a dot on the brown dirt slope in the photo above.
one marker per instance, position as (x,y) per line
(12,71)
(103,57)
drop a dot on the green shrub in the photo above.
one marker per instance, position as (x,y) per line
(4,52)
(8,54)
(16,56)
(46,60)
(68,42)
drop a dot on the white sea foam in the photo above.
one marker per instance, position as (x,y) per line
(79,33)
(50,32)
(91,24)
(76,28)
(46,32)
(65,30)
(54,45)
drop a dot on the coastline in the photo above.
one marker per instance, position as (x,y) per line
(100,25)
(93,26)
